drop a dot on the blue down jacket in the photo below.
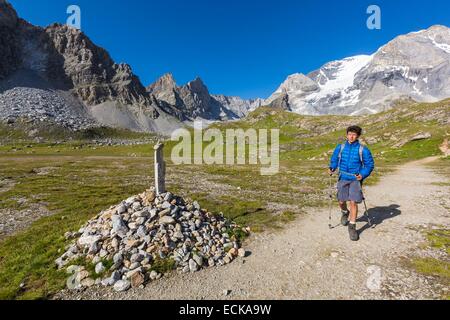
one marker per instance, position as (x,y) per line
(351,162)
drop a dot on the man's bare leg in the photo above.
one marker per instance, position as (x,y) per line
(353,212)
(345,214)
(354,236)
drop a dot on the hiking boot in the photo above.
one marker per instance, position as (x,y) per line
(344,218)
(354,236)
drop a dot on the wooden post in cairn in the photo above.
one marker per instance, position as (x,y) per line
(160,169)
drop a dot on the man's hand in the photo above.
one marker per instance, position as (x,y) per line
(330,172)
(359,177)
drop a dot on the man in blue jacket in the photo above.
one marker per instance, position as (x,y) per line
(355,164)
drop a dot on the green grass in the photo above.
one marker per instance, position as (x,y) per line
(112,133)
(438,239)
(433,267)
(244,212)
(305,137)
(288,216)
(25,132)
(163,265)
(75,149)
(90,266)
(75,192)
(87,178)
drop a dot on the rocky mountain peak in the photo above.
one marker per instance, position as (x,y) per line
(435,30)
(194,100)
(164,83)
(9,45)
(298,85)
(412,66)
(168,80)
(8,16)
(298,81)
(62,65)
(198,86)
(64,58)
(422,49)
(92,73)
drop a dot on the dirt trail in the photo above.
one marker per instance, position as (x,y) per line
(306,260)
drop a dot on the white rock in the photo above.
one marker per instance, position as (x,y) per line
(153,275)
(121,209)
(88,241)
(122,285)
(130,200)
(99,268)
(72,283)
(73,269)
(193,266)
(198,260)
(166,220)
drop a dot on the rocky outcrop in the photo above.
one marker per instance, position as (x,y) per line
(193,100)
(281,102)
(93,74)
(240,107)
(296,87)
(197,101)
(79,80)
(9,48)
(165,89)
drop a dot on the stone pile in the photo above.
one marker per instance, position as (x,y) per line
(125,244)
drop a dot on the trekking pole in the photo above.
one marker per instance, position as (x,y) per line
(330,226)
(331,202)
(366,212)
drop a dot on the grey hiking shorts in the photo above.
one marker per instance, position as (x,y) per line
(349,191)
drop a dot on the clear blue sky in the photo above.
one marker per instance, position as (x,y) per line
(238,47)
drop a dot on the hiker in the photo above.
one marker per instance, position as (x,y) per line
(355,164)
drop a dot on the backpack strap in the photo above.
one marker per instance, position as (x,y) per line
(361,151)
(340,154)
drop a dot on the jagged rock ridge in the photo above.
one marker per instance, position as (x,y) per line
(193,100)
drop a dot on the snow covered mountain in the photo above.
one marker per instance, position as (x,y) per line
(416,65)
